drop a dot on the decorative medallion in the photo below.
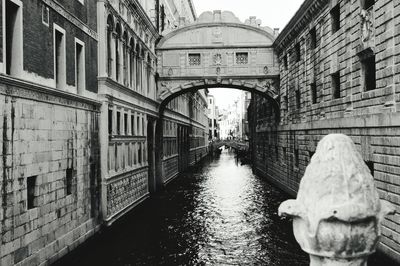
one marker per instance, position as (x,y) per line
(217,59)
(266,70)
(217,35)
(170,72)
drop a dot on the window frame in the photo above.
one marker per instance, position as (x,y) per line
(80,90)
(62,82)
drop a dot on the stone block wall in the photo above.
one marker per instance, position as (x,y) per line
(282,150)
(49,172)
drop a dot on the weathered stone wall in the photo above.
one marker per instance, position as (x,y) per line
(171,168)
(283,150)
(52,138)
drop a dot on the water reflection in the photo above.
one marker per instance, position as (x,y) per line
(217,214)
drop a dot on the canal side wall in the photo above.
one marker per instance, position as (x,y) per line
(49,165)
(325,88)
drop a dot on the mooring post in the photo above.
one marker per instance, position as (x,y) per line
(337,215)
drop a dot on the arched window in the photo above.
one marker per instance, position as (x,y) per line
(138,67)
(110,28)
(131,63)
(125,58)
(117,59)
(148,74)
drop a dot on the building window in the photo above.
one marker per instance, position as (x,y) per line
(335,18)
(59,57)
(194,59)
(32,192)
(370,165)
(313,38)
(285,62)
(298,99)
(119,123)
(368,68)
(285,103)
(297,52)
(110,122)
(110,29)
(284,154)
(13,38)
(242,58)
(367,4)
(80,74)
(335,85)
(126,124)
(296,158)
(132,124)
(138,126)
(313,87)
(117,53)
(69,176)
(45,15)
(139,153)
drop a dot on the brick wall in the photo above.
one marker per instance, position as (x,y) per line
(282,150)
(39,55)
(46,137)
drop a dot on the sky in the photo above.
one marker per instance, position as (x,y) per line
(273,13)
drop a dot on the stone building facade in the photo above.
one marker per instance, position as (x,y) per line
(130,110)
(339,73)
(78,111)
(49,159)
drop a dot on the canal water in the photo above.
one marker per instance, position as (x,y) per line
(218,213)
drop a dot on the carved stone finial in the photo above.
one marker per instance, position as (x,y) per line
(337,214)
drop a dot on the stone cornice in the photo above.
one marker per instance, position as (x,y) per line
(40,93)
(306,13)
(128,91)
(143,15)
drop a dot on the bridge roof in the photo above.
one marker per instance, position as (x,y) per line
(219,29)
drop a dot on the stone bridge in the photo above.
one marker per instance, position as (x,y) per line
(235,144)
(218,51)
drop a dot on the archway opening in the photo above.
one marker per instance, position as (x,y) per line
(191,143)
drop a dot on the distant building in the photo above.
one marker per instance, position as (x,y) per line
(213,114)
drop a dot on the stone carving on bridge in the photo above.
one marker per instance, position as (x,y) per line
(218,59)
(337,215)
(217,35)
(367,25)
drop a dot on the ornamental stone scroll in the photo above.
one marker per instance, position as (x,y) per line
(337,215)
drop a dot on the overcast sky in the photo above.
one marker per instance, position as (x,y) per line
(273,13)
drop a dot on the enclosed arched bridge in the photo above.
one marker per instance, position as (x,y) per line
(217,51)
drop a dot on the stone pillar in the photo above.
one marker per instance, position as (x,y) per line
(337,215)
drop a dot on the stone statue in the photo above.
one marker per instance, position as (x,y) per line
(337,214)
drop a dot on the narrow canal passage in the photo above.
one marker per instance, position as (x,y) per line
(218,213)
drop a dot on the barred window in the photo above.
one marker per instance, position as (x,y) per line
(194,59)
(242,58)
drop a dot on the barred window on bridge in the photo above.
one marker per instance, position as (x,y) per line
(242,58)
(194,59)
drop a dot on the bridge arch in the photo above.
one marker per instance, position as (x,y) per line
(216,51)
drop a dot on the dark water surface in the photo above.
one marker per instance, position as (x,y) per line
(218,213)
